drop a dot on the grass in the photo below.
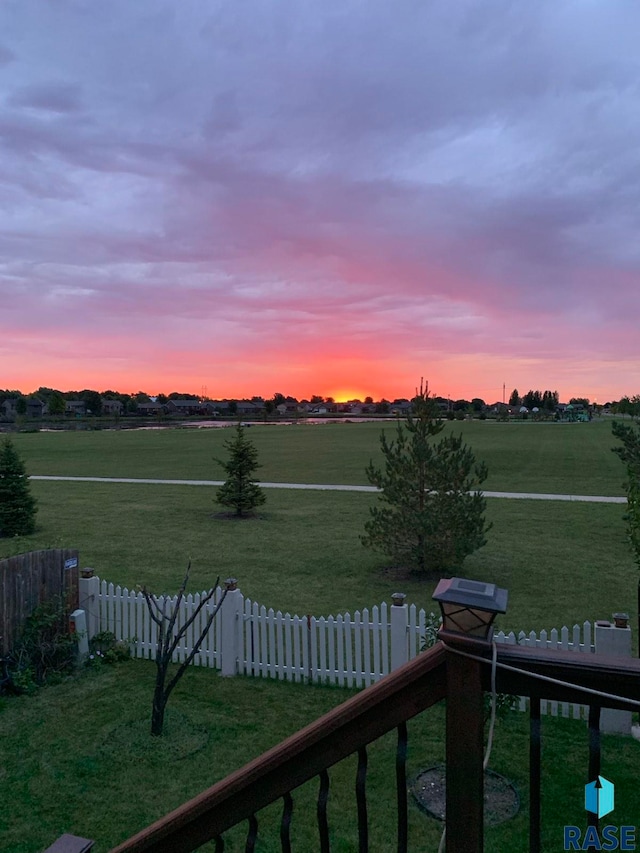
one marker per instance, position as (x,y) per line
(60,768)
(521,456)
(562,562)
(73,778)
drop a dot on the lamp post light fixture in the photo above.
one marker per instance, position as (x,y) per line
(470,607)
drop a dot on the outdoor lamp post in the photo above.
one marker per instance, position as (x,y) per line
(470,607)
(468,610)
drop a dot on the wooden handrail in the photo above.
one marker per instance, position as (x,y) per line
(372,713)
(360,720)
(616,676)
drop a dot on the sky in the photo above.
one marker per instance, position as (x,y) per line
(333,198)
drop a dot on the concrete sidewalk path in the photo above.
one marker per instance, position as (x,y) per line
(320,487)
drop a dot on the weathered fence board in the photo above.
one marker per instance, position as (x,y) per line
(28,580)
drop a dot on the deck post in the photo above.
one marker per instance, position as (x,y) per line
(465,748)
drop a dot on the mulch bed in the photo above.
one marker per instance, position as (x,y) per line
(501,800)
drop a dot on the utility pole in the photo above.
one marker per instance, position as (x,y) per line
(503,390)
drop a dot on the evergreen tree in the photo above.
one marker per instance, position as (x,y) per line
(240,491)
(56,403)
(629,453)
(514,399)
(433,513)
(532,399)
(17,505)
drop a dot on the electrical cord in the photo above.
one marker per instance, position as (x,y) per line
(592,691)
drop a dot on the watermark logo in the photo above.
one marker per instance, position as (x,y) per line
(598,796)
(599,800)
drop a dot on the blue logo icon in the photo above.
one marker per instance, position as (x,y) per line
(598,796)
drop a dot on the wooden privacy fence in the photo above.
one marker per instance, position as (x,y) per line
(350,649)
(28,580)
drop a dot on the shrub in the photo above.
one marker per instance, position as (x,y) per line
(105,648)
(44,653)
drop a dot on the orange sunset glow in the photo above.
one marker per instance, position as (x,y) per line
(304,215)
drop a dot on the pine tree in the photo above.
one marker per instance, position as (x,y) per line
(17,505)
(240,491)
(434,512)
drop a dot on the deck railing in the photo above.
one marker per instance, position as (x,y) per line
(459,671)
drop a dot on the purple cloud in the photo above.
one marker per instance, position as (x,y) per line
(410,181)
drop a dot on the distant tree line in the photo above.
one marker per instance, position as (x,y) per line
(546,401)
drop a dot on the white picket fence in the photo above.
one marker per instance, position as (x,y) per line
(579,640)
(125,614)
(348,650)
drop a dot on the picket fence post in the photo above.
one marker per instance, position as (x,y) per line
(230,616)
(614,639)
(88,600)
(399,630)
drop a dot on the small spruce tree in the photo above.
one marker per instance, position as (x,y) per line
(240,490)
(433,512)
(17,504)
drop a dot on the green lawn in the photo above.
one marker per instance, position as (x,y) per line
(562,562)
(521,456)
(76,758)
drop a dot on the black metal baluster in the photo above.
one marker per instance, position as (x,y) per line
(401,785)
(321,811)
(219,840)
(534,774)
(285,823)
(252,834)
(361,798)
(594,754)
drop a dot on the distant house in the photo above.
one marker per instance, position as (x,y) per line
(112,407)
(149,408)
(9,408)
(249,407)
(219,407)
(400,407)
(35,407)
(189,407)
(75,407)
